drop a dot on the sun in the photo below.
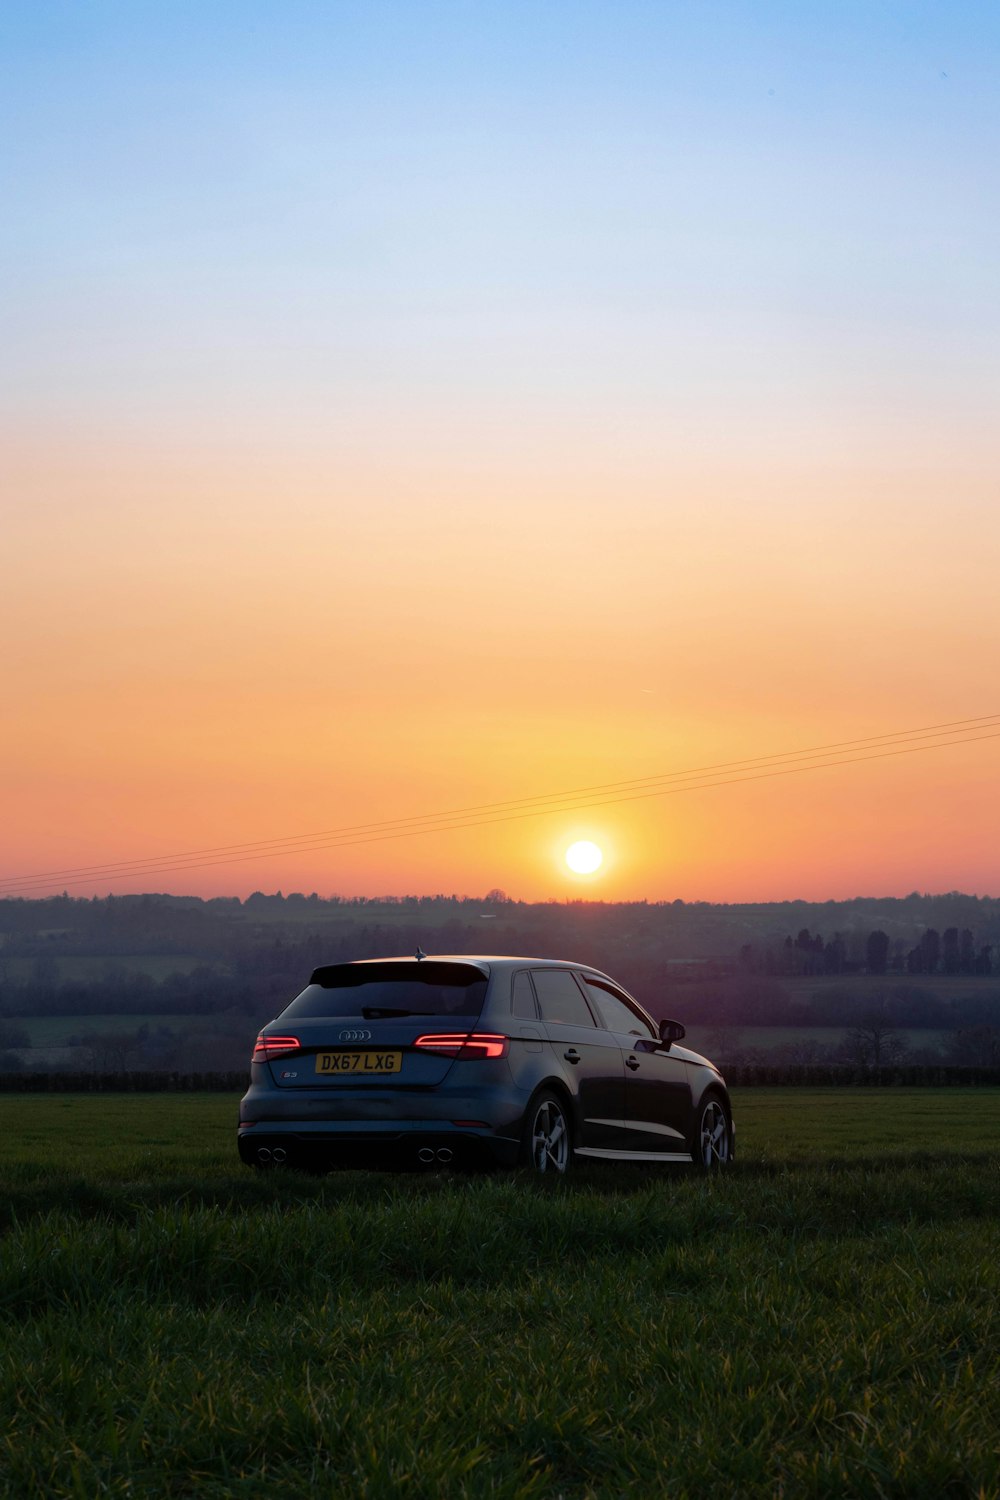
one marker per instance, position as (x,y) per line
(584,857)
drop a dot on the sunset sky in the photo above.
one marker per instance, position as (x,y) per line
(409,407)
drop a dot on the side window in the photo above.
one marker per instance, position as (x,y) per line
(561,998)
(618,1015)
(522,999)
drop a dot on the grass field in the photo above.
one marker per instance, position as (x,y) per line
(824,1320)
(874,986)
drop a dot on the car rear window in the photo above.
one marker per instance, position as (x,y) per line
(402,989)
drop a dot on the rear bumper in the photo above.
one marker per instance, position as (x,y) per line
(368,1125)
(393,1143)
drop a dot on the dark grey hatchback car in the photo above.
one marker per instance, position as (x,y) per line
(475,1061)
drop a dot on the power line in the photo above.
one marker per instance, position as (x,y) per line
(293,842)
(906,742)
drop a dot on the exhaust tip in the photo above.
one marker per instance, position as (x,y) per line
(264,1155)
(425,1154)
(445,1154)
(278,1155)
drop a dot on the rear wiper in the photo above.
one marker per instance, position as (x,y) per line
(381,1013)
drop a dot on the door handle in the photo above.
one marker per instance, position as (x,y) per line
(632,1062)
(572,1055)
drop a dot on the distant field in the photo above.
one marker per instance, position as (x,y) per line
(821,1321)
(55,1031)
(958,987)
(156,965)
(707,1039)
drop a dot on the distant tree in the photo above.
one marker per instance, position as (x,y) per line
(877,952)
(975,1047)
(967,952)
(45,972)
(833,955)
(111,1052)
(950,954)
(874,1041)
(930,952)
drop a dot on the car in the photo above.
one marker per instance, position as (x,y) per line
(477,1061)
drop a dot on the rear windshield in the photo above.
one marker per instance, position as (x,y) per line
(377,991)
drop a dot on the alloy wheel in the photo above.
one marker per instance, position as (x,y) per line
(549,1138)
(713,1142)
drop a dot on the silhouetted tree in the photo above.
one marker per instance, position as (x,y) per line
(950,958)
(833,955)
(975,1047)
(877,952)
(930,951)
(874,1040)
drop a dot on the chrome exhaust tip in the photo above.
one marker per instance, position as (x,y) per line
(278,1155)
(425,1154)
(445,1154)
(264,1155)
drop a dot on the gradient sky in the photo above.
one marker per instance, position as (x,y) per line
(409,406)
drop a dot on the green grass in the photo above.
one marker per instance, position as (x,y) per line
(823,1320)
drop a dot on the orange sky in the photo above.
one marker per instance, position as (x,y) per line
(409,408)
(238,647)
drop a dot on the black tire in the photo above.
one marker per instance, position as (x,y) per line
(547,1138)
(712,1140)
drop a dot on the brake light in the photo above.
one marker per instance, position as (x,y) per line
(468,1045)
(268,1047)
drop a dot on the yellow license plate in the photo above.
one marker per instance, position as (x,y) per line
(358,1064)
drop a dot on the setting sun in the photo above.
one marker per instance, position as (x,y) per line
(584,857)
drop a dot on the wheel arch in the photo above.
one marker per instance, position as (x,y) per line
(558,1087)
(712,1084)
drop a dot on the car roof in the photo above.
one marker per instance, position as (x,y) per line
(486,961)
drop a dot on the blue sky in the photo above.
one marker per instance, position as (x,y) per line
(614,203)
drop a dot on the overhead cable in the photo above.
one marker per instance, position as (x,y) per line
(754,768)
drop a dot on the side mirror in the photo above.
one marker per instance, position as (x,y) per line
(671,1031)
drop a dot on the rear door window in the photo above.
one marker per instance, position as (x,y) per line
(614,1008)
(560,998)
(522,1000)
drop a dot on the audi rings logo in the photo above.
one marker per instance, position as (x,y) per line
(355,1036)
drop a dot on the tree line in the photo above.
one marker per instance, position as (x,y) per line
(952,952)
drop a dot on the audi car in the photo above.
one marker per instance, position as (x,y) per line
(470,1061)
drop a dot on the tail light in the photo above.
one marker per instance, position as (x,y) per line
(468,1045)
(266,1048)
